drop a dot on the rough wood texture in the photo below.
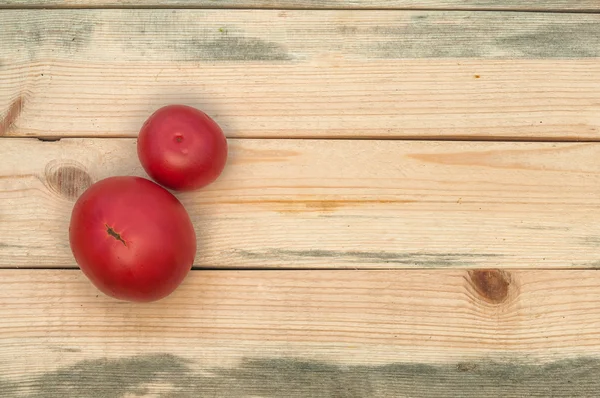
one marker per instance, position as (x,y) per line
(318,203)
(532,5)
(304,333)
(478,75)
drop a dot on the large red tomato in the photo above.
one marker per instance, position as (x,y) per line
(182,148)
(132,238)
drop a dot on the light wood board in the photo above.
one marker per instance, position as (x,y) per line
(274,73)
(333,204)
(533,5)
(297,334)
(340,268)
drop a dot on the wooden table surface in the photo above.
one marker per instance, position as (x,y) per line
(411,206)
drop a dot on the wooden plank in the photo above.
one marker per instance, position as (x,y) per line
(269,73)
(342,204)
(533,5)
(305,333)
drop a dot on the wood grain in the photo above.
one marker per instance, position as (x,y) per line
(392,74)
(333,204)
(533,5)
(303,333)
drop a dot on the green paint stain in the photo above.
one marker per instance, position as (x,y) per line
(269,377)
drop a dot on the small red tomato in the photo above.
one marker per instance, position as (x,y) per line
(182,148)
(132,238)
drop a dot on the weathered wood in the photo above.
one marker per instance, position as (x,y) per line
(346,204)
(478,75)
(305,333)
(532,5)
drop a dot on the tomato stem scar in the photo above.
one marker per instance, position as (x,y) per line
(115,235)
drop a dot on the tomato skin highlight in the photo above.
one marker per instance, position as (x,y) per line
(182,148)
(132,238)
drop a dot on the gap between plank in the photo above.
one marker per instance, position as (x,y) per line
(246,8)
(370,269)
(344,138)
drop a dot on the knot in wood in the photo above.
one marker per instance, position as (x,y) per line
(10,117)
(69,180)
(491,284)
